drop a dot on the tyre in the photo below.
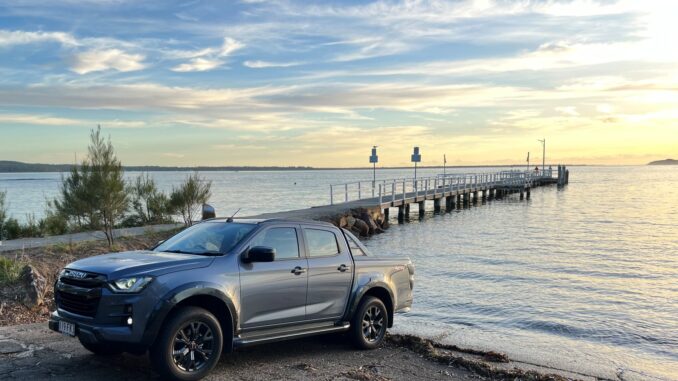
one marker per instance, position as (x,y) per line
(188,345)
(368,326)
(101,349)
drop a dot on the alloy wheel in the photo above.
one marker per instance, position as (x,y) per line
(192,346)
(373,324)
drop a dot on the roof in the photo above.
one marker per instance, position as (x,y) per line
(272,220)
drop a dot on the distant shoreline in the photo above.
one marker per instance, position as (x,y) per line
(19,167)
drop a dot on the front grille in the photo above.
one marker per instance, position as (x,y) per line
(79,294)
(77,304)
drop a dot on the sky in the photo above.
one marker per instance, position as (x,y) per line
(319,83)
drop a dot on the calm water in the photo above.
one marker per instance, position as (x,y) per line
(584,278)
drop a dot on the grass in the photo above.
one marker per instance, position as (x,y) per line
(9,270)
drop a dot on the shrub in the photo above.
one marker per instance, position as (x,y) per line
(9,270)
(3,214)
(150,205)
(189,197)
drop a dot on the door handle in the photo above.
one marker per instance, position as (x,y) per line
(343,268)
(298,270)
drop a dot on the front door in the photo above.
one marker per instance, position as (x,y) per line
(274,292)
(330,274)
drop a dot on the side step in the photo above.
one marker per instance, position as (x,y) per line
(269,336)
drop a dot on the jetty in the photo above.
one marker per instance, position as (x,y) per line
(365,206)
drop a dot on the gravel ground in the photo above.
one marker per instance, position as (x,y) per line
(32,352)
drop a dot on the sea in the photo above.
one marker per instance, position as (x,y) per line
(582,278)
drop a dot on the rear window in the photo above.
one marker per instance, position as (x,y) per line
(321,243)
(356,246)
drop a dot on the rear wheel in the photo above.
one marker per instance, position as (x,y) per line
(188,346)
(368,326)
(101,349)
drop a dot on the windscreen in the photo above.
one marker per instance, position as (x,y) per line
(207,238)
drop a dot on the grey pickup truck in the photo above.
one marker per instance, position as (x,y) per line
(223,284)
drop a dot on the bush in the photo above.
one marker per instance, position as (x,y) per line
(150,205)
(3,214)
(189,197)
(9,270)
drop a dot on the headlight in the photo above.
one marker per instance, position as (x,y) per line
(132,284)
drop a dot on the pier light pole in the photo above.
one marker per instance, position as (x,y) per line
(543,155)
(444,165)
(416,158)
(528,162)
(374,159)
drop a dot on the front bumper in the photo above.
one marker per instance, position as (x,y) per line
(92,333)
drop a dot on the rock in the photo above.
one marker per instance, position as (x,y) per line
(342,222)
(33,286)
(495,357)
(350,221)
(362,228)
(10,346)
(373,227)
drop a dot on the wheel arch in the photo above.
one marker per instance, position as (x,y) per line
(201,295)
(378,290)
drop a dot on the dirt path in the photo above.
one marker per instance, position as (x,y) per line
(32,352)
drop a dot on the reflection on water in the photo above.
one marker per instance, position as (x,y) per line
(584,278)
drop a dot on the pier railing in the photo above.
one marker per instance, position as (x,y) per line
(391,190)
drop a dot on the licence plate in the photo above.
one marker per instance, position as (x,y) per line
(67,328)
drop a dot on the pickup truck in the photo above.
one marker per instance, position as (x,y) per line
(223,284)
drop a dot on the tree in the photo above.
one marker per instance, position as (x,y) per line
(150,205)
(189,197)
(93,195)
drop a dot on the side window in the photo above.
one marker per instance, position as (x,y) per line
(283,240)
(355,248)
(321,243)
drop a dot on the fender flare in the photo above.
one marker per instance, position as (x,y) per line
(166,303)
(360,293)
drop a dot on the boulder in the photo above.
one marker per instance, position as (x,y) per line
(362,228)
(373,227)
(350,221)
(33,285)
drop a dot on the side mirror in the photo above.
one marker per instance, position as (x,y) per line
(259,254)
(208,212)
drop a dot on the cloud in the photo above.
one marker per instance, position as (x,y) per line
(229,46)
(266,64)
(205,59)
(36,120)
(197,64)
(19,37)
(100,60)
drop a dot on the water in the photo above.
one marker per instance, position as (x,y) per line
(584,278)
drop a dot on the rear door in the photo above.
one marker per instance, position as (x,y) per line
(274,293)
(330,273)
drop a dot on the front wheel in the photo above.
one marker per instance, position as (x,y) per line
(188,346)
(368,326)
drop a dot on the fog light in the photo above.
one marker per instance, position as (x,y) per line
(129,321)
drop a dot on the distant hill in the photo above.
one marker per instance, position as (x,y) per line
(664,162)
(17,166)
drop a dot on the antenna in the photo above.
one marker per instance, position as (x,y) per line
(230,219)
